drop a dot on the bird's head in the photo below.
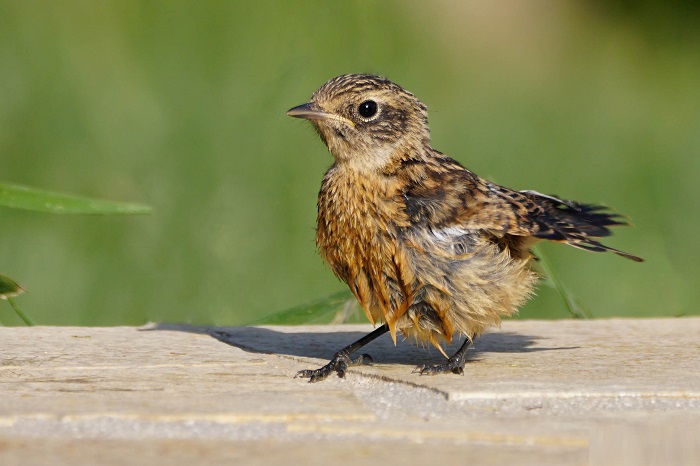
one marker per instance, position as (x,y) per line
(365,119)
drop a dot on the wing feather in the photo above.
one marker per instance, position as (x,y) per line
(445,194)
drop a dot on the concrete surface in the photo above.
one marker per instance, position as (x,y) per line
(534,392)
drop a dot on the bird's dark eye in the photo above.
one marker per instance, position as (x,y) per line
(367,109)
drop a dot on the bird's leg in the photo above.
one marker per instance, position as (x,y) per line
(343,358)
(454,364)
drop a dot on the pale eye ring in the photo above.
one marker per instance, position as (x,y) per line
(368,109)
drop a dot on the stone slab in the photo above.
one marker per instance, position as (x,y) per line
(534,392)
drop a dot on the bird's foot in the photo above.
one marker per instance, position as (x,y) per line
(339,364)
(453,365)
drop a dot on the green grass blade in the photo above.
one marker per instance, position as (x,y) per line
(575,309)
(336,308)
(27,320)
(23,197)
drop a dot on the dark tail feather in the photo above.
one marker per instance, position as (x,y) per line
(577,224)
(591,245)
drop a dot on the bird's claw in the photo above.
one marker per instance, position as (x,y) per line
(452,366)
(339,364)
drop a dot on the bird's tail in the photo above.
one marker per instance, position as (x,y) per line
(576,224)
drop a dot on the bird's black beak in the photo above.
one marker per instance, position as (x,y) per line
(308,113)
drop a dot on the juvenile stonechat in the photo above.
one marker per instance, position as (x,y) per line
(427,247)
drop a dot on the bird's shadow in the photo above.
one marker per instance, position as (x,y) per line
(324,345)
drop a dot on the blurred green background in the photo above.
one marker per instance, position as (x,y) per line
(181,105)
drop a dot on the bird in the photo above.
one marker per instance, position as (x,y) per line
(428,248)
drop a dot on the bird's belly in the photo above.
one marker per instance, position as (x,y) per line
(465,283)
(430,287)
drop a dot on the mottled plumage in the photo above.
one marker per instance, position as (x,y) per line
(427,247)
